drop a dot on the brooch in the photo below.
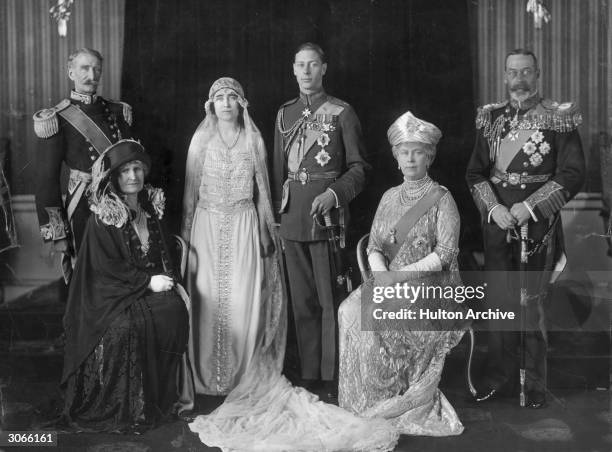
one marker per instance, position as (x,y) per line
(322,157)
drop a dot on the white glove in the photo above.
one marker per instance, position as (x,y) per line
(161,283)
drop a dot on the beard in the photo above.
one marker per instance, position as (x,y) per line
(521,91)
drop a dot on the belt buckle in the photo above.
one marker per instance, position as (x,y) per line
(514,178)
(303,176)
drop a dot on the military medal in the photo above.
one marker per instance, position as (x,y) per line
(306,112)
(323,156)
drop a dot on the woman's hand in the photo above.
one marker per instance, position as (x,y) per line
(266,243)
(377,262)
(161,283)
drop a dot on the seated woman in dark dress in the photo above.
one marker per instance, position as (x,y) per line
(126,328)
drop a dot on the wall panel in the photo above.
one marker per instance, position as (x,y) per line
(32,67)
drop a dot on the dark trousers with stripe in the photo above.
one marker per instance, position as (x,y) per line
(310,283)
(502,258)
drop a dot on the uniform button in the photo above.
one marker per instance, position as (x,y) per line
(109,119)
(505,184)
(91,148)
(114,135)
(93,157)
(523,186)
(524,173)
(113,126)
(525,164)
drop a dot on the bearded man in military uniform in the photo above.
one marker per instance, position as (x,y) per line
(75,131)
(318,168)
(526,165)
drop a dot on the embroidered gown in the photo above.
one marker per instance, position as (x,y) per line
(123,342)
(225,270)
(394,374)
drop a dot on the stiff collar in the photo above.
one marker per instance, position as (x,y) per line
(309,99)
(86,99)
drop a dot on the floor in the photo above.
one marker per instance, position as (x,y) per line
(578,417)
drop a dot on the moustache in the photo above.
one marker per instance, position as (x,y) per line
(520,86)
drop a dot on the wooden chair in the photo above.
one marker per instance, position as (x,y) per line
(179,253)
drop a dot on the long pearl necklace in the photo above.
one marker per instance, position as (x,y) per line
(229,147)
(412,191)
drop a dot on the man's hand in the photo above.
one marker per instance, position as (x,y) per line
(503,218)
(520,212)
(60,246)
(323,203)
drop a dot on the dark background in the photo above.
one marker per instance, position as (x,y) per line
(384,57)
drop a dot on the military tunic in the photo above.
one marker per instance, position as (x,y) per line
(318,146)
(533,156)
(64,143)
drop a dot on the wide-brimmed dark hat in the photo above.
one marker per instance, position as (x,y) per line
(124,151)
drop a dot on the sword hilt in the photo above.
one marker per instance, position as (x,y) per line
(522,397)
(524,242)
(327,219)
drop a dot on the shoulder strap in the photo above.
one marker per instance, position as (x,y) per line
(86,127)
(407,222)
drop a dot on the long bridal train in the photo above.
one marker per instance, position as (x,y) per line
(266,413)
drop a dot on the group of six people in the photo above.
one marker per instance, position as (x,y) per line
(139,347)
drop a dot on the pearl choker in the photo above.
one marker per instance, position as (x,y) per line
(412,191)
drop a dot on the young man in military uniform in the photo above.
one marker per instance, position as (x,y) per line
(526,164)
(76,131)
(318,168)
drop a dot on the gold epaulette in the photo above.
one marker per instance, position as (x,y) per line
(127,110)
(46,123)
(560,117)
(483,117)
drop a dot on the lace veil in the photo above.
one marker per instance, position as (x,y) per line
(271,349)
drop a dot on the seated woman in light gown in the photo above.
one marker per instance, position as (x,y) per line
(126,328)
(393,372)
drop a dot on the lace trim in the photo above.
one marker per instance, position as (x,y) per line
(56,228)
(548,199)
(222,337)
(227,207)
(484,197)
(446,254)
